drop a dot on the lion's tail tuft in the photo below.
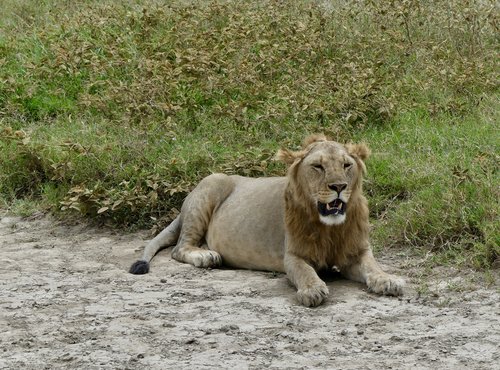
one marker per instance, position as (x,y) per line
(140,267)
(166,238)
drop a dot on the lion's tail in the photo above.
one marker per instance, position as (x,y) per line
(164,239)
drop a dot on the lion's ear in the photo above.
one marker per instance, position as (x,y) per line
(288,157)
(359,150)
(313,139)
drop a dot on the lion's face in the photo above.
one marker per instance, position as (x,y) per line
(328,174)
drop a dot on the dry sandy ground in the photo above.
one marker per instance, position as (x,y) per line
(66,301)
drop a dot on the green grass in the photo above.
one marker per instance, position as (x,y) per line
(116,109)
(437,186)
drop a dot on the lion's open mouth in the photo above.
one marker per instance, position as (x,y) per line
(337,207)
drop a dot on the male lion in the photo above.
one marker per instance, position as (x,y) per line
(314,218)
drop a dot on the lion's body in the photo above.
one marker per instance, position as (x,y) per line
(240,232)
(314,218)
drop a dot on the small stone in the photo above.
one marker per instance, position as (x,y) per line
(230,327)
(67,357)
(343,332)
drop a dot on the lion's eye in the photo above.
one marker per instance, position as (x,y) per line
(347,165)
(318,167)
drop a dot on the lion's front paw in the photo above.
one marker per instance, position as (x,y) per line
(313,296)
(386,284)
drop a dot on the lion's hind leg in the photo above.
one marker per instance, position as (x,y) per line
(196,256)
(188,248)
(197,212)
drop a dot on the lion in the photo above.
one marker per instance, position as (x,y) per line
(314,218)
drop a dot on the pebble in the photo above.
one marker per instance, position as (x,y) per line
(227,328)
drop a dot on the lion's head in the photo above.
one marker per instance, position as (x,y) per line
(326,176)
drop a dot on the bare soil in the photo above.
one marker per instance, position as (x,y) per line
(67,301)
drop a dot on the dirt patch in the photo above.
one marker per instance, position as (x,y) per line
(67,301)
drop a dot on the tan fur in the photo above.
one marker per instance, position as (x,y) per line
(275,223)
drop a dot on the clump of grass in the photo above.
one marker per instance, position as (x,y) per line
(116,109)
(434,186)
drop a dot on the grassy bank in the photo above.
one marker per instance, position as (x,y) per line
(115,109)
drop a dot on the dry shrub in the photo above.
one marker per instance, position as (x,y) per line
(331,62)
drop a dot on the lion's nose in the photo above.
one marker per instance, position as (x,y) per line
(337,187)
